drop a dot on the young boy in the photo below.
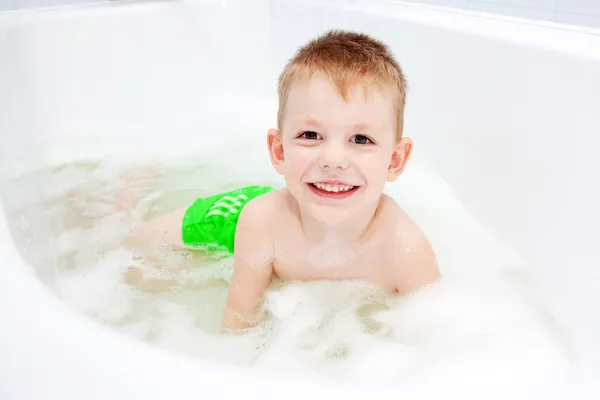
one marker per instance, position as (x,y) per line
(339,140)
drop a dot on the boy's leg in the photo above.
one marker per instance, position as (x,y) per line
(165,229)
(154,238)
(136,278)
(135,275)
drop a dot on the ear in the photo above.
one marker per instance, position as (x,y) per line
(275,146)
(400,157)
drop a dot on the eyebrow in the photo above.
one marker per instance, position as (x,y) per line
(361,127)
(308,121)
(313,122)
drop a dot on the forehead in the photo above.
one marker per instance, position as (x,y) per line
(318,98)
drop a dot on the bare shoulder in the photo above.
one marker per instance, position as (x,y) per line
(400,223)
(264,209)
(260,218)
(412,260)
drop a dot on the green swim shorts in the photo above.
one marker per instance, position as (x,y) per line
(210,222)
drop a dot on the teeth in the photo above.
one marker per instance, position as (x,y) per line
(333,188)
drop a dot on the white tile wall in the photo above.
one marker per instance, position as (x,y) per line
(584,7)
(448,3)
(576,12)
(13,4)
(509,8)
(7,4)
(541,4)
(578,19)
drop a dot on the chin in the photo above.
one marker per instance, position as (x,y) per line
(327,214)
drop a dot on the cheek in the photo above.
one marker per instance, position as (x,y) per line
(375,164)
(297,159)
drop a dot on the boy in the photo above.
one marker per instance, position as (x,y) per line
(339,139)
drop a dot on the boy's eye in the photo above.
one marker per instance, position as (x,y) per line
(360,139)
(310,135)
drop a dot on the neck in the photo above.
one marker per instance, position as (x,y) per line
(348,230)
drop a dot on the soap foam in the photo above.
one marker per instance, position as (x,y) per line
(479,324)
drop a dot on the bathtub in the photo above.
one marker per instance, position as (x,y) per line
(507,111)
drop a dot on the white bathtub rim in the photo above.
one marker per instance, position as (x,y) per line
(554,36)
(574,39)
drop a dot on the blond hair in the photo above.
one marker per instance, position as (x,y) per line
(347,58)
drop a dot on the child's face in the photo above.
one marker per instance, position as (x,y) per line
(336,154)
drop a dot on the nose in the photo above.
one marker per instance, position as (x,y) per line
(333,155)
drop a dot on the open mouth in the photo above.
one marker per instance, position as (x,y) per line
(333,190)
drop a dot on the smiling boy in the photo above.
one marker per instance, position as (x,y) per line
(339,140)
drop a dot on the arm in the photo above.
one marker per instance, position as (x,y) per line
(252,269)
(415,264)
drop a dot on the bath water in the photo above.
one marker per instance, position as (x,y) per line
(480,324)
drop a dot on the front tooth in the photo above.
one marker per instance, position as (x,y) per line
(333,188)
